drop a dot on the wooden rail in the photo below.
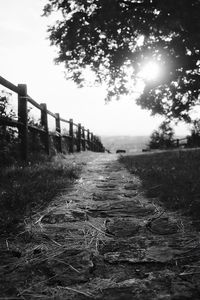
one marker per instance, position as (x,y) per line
(78,136)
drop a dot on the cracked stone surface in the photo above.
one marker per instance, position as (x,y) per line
(109,242)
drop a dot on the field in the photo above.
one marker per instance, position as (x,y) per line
(172,178)
(128,143)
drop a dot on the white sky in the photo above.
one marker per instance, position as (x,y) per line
(26,57)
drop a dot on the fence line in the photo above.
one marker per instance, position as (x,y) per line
(82,138)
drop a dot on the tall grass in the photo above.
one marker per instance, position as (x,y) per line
(171,177)
(25,189)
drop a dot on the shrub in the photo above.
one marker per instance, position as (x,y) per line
(8,135)
(194,139)
(162,137)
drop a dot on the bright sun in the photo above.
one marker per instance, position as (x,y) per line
(150,71)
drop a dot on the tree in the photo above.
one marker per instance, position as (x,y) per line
(112,39)
(162,137)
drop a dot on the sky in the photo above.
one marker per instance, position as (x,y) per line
(27,57)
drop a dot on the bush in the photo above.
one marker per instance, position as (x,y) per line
(9,138)
(162,137)
(8,135)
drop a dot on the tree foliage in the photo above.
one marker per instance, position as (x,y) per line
(162,137)
(103,37)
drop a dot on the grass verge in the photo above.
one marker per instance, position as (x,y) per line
(25,189)
(171,177)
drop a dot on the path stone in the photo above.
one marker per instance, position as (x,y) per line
(104,196)
(56,217)
(70,267)
(164,225)
(121,227)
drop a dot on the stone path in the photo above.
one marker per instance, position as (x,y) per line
(104,240)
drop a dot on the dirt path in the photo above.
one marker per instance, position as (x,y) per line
(103,240)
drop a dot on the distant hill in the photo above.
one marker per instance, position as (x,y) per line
(128,143)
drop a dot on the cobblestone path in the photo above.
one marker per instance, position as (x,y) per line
(107,241)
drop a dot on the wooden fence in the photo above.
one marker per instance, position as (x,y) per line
(77,139)
(180,142)
(191,141)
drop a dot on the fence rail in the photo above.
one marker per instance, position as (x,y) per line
(78,138)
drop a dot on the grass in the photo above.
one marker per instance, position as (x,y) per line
(171,177)
(25,189)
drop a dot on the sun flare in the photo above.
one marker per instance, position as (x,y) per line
(150,71)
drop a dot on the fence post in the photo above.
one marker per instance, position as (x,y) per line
(58,131)
(177,143)
(79,138)
(44,122)
(95,144)
(98,146)
(23,118)
(92,141)
(84,141)
(88,139)
(71,134)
